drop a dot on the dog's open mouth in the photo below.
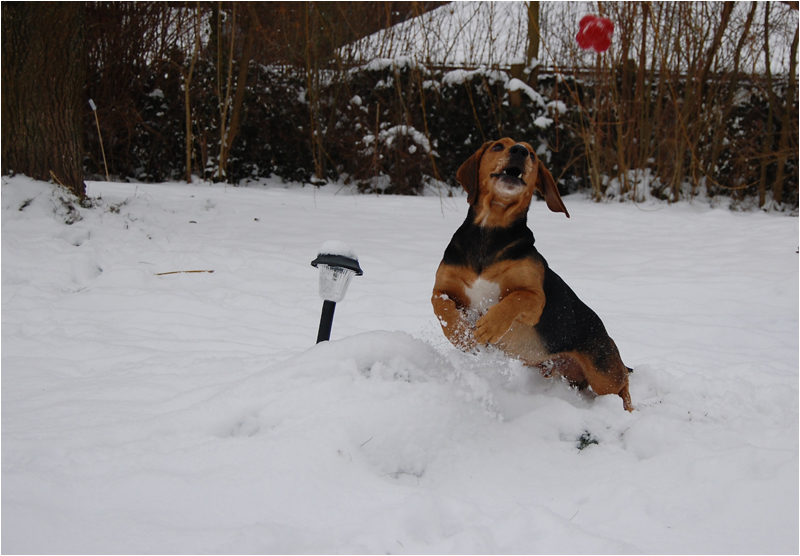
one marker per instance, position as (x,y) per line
(511,176)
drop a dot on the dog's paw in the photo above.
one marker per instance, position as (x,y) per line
(494,325)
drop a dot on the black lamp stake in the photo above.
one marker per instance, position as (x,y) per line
(326,321)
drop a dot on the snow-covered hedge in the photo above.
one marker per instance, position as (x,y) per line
(397,126)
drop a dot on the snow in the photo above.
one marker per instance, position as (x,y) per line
(459,34)
(519,85)
(337,247)
(557,106)
(388,136)
(462,76)
(543,122)
(381,64)
(191,412)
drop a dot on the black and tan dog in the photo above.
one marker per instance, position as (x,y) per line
(493,286)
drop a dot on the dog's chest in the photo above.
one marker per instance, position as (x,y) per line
(482,294)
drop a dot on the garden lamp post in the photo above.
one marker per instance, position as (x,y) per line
(337,264)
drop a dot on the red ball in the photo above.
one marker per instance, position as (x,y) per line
(595,32)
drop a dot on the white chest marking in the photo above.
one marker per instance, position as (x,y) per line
(482,295)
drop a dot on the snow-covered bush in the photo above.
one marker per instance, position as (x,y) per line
(393,127)
(380,133)
(406,125)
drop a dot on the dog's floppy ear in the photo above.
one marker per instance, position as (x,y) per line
(546,185)
(467,174)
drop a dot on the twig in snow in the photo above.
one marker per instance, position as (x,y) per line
(185,272)
(100,135)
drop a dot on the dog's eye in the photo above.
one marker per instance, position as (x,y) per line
(533,155)
(498,147)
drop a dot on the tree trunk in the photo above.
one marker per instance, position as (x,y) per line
(534,37)
(767,138)
(230,133)
(44,69)
(311,23)
(187,96)
(788,122)
(642,103)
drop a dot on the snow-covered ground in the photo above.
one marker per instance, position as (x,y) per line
(145,412)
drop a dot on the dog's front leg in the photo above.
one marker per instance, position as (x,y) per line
(453,320)
(522,307)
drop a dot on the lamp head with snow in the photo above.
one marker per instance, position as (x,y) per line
(335,272)
(337,264)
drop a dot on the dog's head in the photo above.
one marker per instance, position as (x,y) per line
(500,179)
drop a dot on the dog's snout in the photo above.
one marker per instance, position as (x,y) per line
(518,152)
